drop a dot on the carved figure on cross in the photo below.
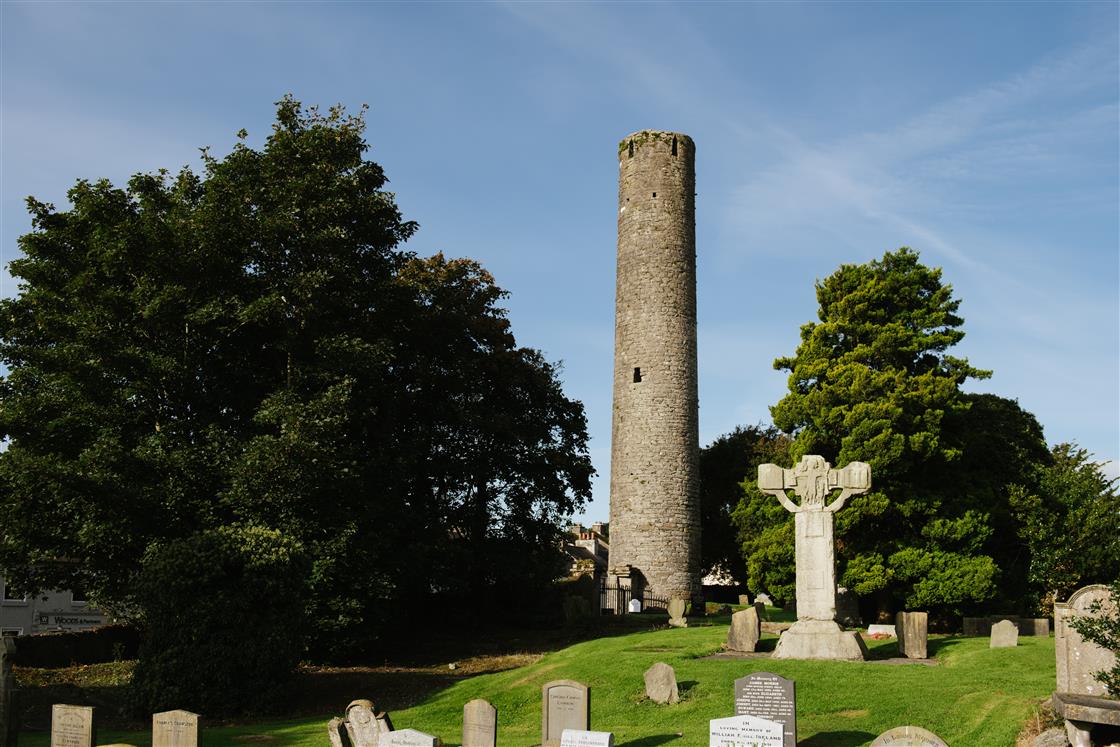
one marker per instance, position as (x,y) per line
(813,480)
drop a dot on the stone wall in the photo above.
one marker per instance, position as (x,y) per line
(655,526)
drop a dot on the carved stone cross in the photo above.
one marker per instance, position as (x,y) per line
(813,480)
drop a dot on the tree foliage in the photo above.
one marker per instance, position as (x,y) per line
(199,596)
(1069,521)
(873,381)
(724,465)
(251,346)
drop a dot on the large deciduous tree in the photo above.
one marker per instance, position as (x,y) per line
(251,347)
(873,381)
(724,465)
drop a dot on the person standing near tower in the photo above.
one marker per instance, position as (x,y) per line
(654,503)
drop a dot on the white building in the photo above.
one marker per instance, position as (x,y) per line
(49,611)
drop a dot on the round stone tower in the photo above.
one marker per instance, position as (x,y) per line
(655,513)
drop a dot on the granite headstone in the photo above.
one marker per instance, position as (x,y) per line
(908,736)
(911,629)
(582,738)
(565,704)
(1005,634)
(661,684)
(480,724)
(72,726)
(409,738)
(175,729)
(745,630)
(744,731)
(769,696)
(1077,659)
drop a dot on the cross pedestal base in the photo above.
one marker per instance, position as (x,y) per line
(820,639)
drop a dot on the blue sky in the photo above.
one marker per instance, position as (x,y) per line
(985,135)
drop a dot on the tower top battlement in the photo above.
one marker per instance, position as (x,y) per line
(635,141)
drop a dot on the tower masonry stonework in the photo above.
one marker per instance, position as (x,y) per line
(654,502)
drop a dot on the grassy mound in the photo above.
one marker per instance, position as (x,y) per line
(975,696)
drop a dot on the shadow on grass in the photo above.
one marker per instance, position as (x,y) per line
(935,646)
(652,741)
(684,686)
(836,739)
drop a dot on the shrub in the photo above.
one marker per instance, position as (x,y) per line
(223,617)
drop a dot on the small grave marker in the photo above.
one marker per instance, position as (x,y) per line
(364,726)
(71,726)
(635,605)
(769,696)
(578,738)
(1005,634)
(565,704)
(911,629)
(908,736)
(661,684)
(744,731)
(745,630)
(409,738)
(480,724)
(677,609)
(175,729)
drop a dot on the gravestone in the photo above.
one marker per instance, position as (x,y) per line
(816,635)
(847,608)
(565,704)
(635,605)
(364,725)
(1076,658)
(661,684)
(677,609)
(175,729)
(769,696)
(409,738)
(480,724)
(744,731)
(336,733)
(764,599)
(911,629)
(745,630)
(908,736)
(580,738)
(744,599)
(9,725)
(1005,634)
(72,726)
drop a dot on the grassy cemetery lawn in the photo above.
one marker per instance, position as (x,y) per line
(975,696)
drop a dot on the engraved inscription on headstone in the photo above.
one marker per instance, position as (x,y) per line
(908,736)
(71,726)
(480,724)
(744,731)
(769,696)
(175,729)
(409,738)
(580,738)
(565,704)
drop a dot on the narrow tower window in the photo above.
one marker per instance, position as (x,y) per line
(674,146)
(655,194)
(631,149)
(637,375)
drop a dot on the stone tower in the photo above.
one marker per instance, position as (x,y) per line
(655,513)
